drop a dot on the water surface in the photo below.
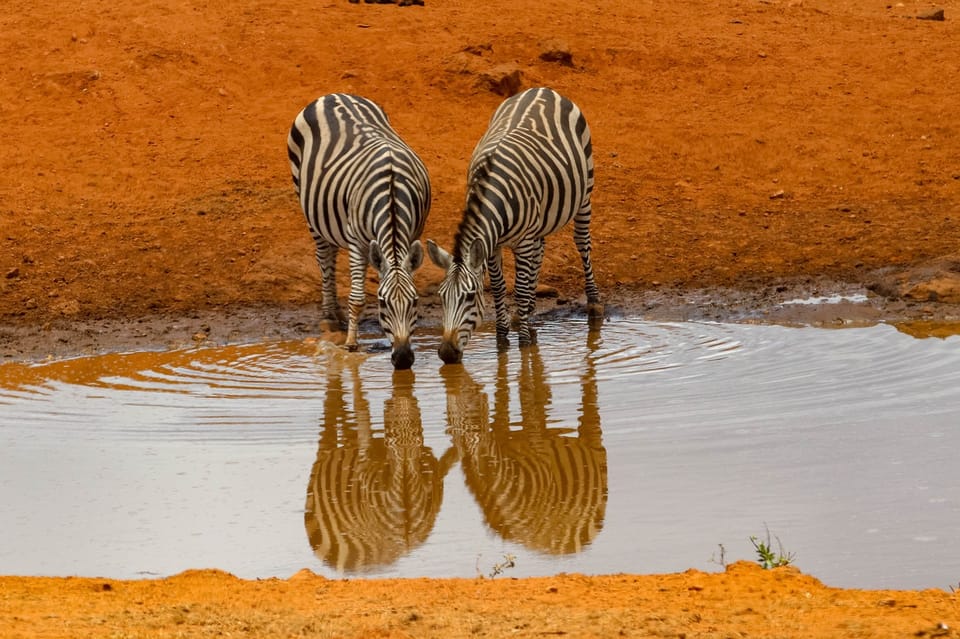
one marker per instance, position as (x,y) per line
(641,448)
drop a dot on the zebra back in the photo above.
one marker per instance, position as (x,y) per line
(356,179)
(529,174)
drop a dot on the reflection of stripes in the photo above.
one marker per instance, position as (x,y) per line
(370,500)
(546,491)
(536,485)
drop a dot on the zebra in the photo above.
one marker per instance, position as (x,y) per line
(371,499)
(535,486)
(363,189)
(530,174)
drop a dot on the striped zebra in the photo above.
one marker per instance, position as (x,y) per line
(363,189)
(536,486)
(371,499)
(530,174)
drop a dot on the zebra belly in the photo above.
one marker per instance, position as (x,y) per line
(537,226)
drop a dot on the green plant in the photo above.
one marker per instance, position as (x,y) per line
(766,556)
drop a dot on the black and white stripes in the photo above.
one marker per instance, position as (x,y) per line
(530,175)
(363,189)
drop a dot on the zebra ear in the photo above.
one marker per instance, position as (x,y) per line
(376,256)
(438,256)
(415,257)
(477,256)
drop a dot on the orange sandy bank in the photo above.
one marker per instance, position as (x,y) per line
(743,601)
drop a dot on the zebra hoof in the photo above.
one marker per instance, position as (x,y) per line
(595,315)
(530,340)
(353,348)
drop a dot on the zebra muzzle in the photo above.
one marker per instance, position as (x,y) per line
(402,356)
(449,353)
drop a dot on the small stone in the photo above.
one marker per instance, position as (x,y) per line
(557,51)
(505,80)
(13,273)
(546,291)
(778,195)
(933,14)
(478,49)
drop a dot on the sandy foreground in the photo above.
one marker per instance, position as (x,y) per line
(742,601)
(748,153)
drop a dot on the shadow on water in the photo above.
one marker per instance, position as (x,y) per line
(372,496)
(535,484)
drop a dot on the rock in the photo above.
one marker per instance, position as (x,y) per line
(13,273)
(556,51)
(944,289)
(935,281)
(933,14)
(544,290)
(478,49)
(505,80)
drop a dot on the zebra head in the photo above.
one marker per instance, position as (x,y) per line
(397,299)
(461,295)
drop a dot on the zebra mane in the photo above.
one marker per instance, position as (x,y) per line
(469,220)
(395,241)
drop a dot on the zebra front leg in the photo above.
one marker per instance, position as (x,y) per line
(498,286)
(581,237)
(358,295)
(529,259)
(331,318)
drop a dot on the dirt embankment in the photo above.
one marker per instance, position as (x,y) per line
(747,153)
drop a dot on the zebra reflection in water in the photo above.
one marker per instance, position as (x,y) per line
(371,500)
(536,485)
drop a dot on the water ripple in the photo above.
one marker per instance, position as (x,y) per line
(708,430)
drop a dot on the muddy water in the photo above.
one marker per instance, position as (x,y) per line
(642,448)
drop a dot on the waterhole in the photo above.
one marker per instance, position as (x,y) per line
(644,447)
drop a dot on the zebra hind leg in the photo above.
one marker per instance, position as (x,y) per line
(581,237)
(358,296)
(331,317)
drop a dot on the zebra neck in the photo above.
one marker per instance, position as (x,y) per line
(475,227)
